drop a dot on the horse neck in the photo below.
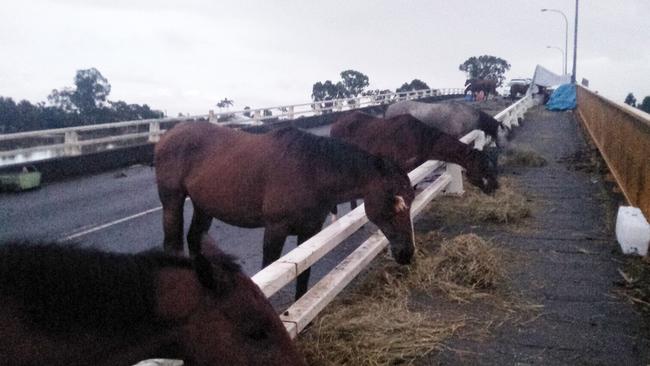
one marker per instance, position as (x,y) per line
(346,185)
(447,148)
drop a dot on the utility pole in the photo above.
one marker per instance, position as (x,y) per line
(575,46)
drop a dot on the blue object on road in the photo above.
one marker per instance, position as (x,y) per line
(563,98)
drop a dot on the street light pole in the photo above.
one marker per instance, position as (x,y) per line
(575,46)
(566,34)
(563,57)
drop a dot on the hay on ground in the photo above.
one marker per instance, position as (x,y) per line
(373,323)
(516,157)
(506,205)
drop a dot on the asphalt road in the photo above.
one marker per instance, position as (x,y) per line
(119,211)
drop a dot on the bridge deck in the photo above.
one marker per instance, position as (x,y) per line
(568,262)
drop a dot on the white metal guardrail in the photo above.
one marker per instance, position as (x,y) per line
(287,268)
(72,141)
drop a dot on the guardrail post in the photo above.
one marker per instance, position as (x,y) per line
(455,187)
(317,110)
(290,112)
(210,116)
(154,131)
(257,115)
(71,141)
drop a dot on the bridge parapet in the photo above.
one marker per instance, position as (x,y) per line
(622,134)
(73,141)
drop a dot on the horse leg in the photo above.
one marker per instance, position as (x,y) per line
(274,237)
(172,204)
(304,235)
(199,227)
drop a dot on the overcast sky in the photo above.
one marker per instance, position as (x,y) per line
(184,56)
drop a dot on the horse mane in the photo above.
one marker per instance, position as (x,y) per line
(64,288)
(333,154)
(424,133)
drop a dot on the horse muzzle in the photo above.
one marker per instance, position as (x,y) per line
(403,255)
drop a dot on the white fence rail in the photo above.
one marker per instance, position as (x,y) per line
(71,141)
(287,268)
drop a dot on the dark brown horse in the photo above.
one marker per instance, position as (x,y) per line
(488,86)
(454,118)
(410,142)
(63,305)
(285,181)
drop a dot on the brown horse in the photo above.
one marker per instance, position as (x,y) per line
(486,85)
(285,181)
(410,142)
(63,305)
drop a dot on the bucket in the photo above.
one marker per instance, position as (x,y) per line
(632,231)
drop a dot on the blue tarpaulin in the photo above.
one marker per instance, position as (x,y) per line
(563,98)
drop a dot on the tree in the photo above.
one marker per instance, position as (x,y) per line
(62,99)
(354,82)
(8,116)
(86,103)
(645,105)
(415,84)
(485,67)
(91,92)
(630,100)
(225,103)
(328,91)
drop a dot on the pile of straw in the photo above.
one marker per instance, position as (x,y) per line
(516,157)
(374,323)
(506,205)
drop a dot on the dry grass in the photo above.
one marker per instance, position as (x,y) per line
(635,284)
(373,323)
(506,205)
(516,157)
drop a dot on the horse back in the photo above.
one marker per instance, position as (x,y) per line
(231,175)
(397,138)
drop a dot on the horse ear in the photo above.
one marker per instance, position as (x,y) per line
(204,272)
(400,204)
(216,277)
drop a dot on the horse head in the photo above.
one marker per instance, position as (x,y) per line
(233,322)
(482,171)
(388,205)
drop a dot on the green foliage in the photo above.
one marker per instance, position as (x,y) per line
(485,67)
(645,105)
(415,84)
(353,84)
(84,104)
(328,91)
(630,100)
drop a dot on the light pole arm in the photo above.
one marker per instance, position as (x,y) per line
(566,35)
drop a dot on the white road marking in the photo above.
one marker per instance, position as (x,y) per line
(104,226)
(109,224)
